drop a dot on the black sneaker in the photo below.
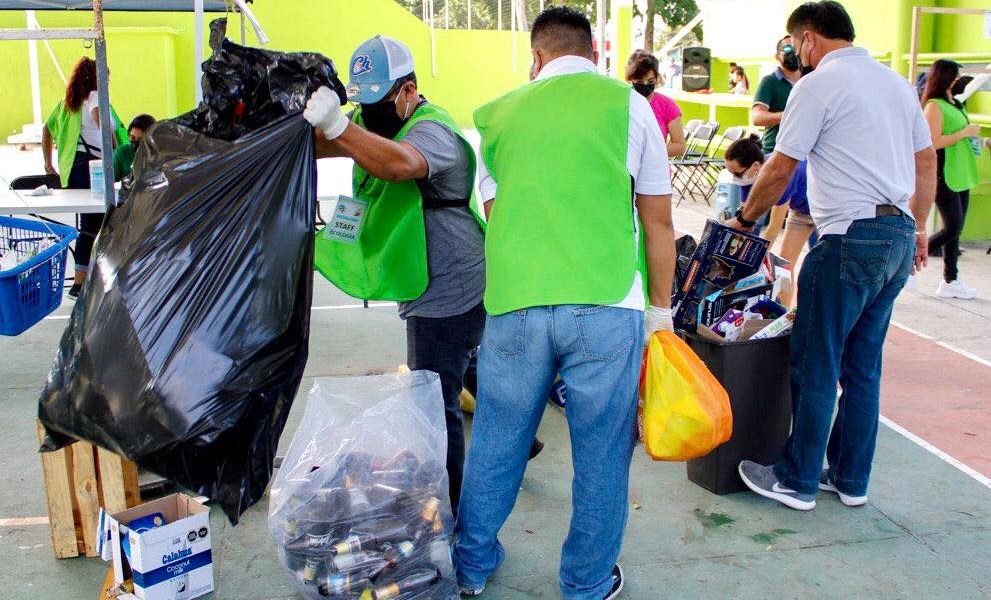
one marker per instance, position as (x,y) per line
(536,448)
(74,291)
(617,583)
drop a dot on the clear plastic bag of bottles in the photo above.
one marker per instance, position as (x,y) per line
(360,507)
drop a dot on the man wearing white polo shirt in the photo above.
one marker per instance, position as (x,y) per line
(565,161)
(872,181)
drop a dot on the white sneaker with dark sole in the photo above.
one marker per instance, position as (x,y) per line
(762,480)
(827,486)
(467,591)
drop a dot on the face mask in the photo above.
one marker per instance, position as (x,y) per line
(381,118)
(961,85)
(644,89)
(789,59)
(803,68)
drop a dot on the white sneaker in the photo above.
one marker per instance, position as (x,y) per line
(955,289)
(828,486)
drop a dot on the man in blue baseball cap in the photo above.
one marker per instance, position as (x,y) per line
(411,232)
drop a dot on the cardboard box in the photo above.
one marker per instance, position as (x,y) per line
(724,256)
(172,562)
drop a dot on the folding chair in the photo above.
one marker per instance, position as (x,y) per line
(30,182)
(715,164)
(691,126)
(691,166)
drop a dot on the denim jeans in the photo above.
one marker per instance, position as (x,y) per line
(597,350)
(846,290)
(444,345)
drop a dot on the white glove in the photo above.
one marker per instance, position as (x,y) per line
(323,111)
(656,319)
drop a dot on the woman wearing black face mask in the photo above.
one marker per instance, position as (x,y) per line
(642,72)
(957,144)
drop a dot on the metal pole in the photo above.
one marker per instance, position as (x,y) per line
(244,29)
(33,66)
(198,53)
(447,16)
(913,64)
(107,125)
(499,10)
(433,41)
(600,26)
(512,29)
(469,14)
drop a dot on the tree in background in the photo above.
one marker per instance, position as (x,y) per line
(675,14)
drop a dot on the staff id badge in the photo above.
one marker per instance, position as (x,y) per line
(349,216)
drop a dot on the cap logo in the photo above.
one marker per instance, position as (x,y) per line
(362,64)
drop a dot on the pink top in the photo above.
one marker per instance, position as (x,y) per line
(665,110)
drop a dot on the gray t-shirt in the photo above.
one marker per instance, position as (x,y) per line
(455,243)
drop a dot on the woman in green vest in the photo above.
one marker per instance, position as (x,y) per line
(74,127)
(957,147)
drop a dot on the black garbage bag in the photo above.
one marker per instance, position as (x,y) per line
(187,347)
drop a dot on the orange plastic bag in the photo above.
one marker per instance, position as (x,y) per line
(684,412)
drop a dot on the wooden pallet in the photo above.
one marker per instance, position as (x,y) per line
(79,479)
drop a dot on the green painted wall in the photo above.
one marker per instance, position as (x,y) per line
(151,55)
(142,78)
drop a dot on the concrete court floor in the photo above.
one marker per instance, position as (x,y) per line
(925,534)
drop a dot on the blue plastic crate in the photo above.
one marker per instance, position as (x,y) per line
(33,288)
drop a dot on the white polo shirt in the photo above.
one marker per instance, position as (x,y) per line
(646,156)
(859,124)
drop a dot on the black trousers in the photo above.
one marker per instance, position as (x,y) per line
(443,346)
(952,208)
(89,223)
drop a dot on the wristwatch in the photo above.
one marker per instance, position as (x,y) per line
(743,221)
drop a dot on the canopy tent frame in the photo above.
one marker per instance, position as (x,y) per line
(97,35)
(917,12)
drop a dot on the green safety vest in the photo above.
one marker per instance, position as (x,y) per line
(561,230)
(66,126)
(388,260)
(960,166)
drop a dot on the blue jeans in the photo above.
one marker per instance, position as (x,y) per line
(846,290)
(597,350)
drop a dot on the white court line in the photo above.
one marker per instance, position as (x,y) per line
(977,476)
(949,347)
(348,306)
(335,307)
(27,521)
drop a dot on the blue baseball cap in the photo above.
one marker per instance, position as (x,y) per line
(375,66)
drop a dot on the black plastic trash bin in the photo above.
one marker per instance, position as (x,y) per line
(755,375)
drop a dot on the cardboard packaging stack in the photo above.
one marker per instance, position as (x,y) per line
(730,290)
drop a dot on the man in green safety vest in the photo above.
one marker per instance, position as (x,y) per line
(410,233)
(568,162)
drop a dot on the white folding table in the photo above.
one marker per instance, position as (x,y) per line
(59,203)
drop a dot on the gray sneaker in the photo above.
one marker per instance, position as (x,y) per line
(828,486)
(762,480)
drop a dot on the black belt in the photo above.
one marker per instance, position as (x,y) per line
(887,210)
(438,203)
